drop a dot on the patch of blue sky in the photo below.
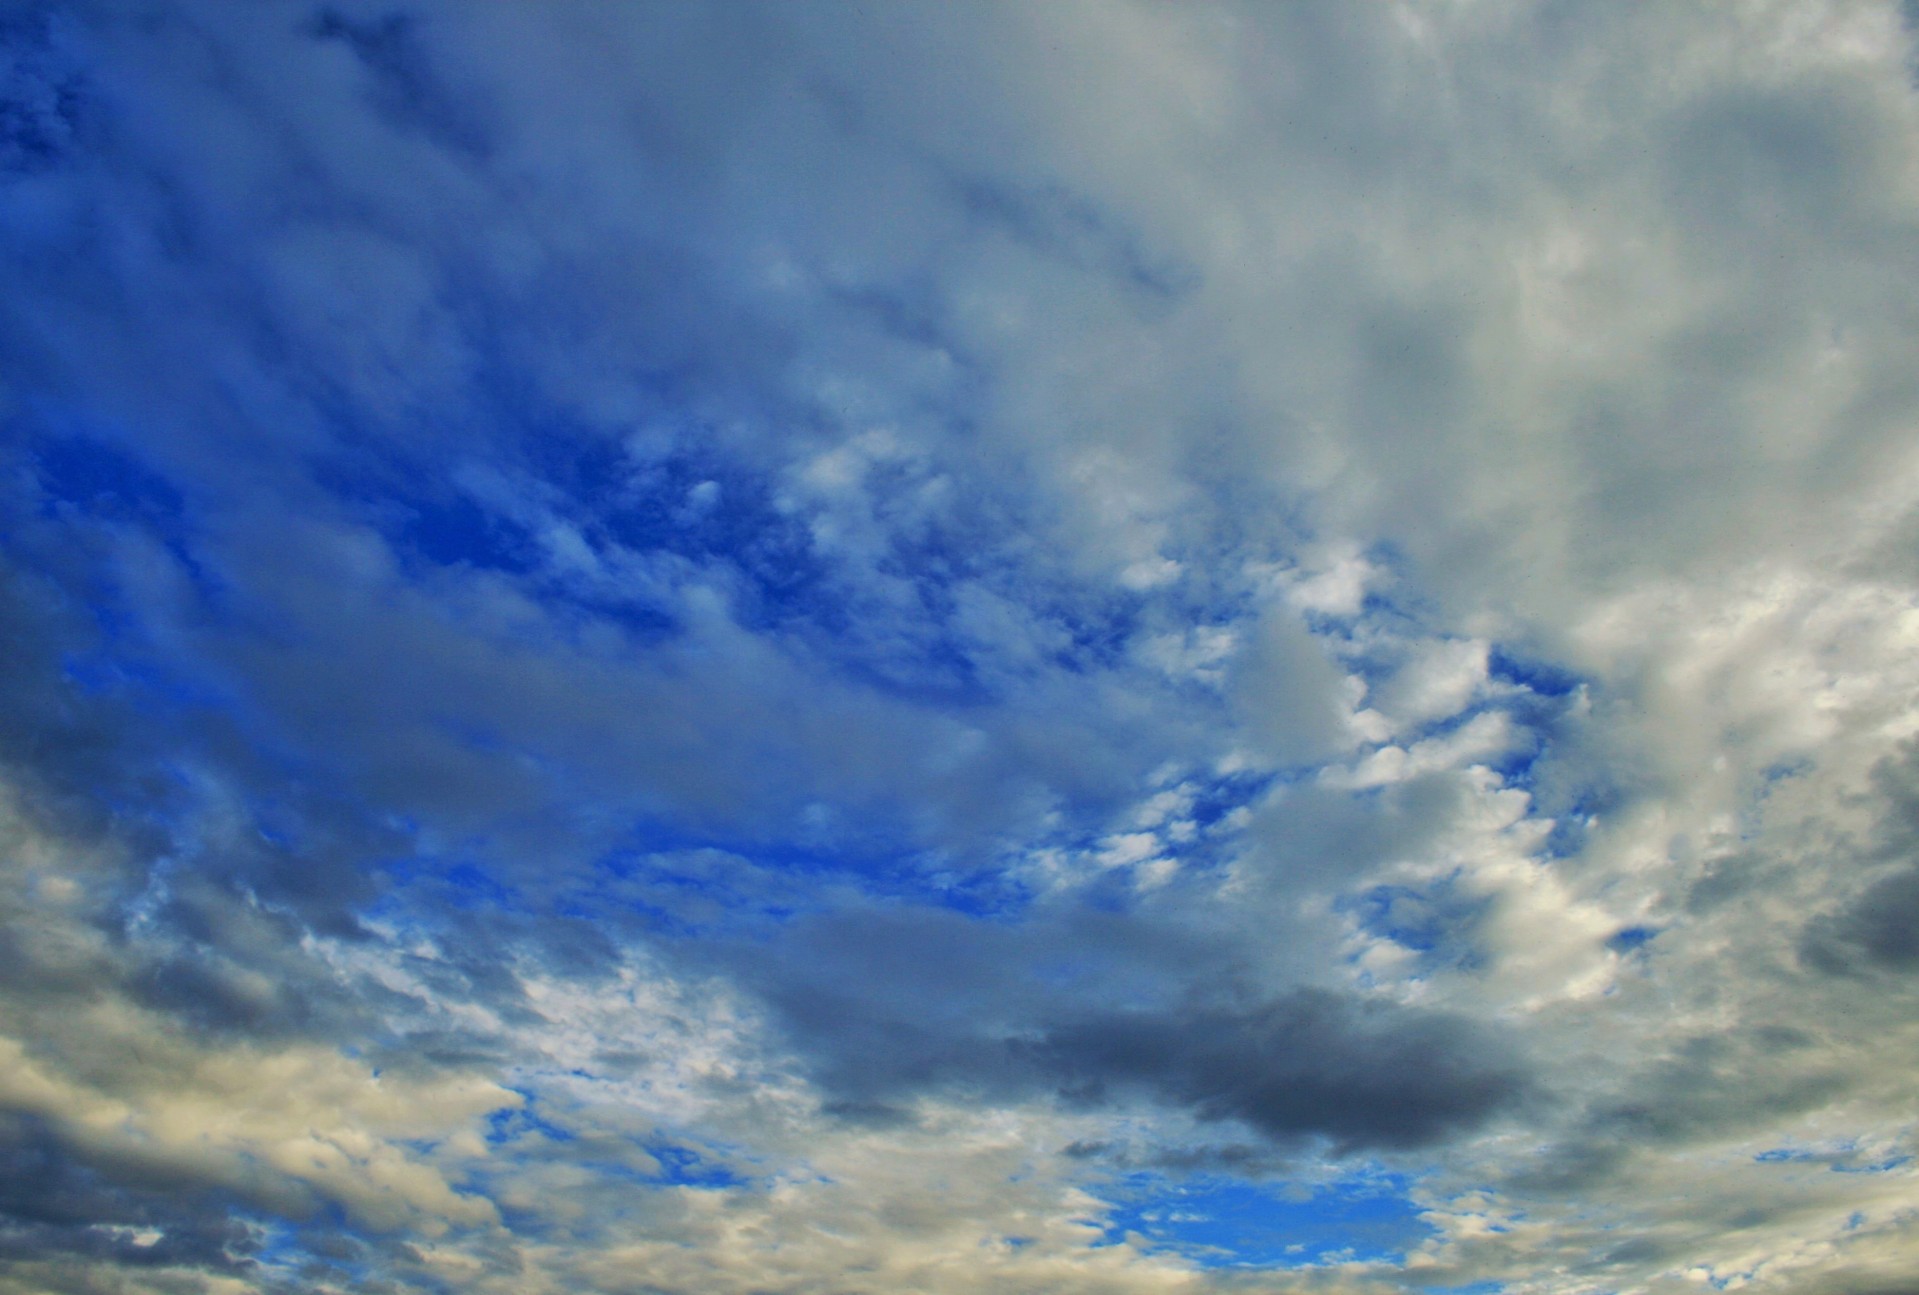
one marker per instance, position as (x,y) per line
(685,494)
(514,1123)
(665,904)
(705,509)
(1098,628)
(905,620)
(653,1161)
(723,522)
(82,473)
(469,886)
(684,1166)
(1519,763)
(675,884)
(1783,769)
(1338,629)
(420,889)
(1890,1164)
(1436,921)
(454,530)
(987,894)
(1392,615)
(88,489)
(1220,1222)
(428,516)
(714,510)
(1505,664)
(270,1241)
(323,1249)
(104,674)
(90,472)
(914,659)
(1535,718)
(1573,821)
(1215,798)
(1752,814)
(1629,938)
(688,516)
(646,498)
(692,884)
(1840,1158)
(1393,609)
(1444,726)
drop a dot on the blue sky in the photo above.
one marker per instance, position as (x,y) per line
(1076,648)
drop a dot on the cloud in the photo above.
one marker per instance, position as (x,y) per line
(755,648)
(1308,1065)
(1874,928)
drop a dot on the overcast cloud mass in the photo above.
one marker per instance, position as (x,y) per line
(1068,648)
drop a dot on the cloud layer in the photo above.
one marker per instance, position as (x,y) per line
(1071,648)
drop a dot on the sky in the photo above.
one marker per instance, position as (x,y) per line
(1103,648)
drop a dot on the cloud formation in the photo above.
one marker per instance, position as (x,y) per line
(1063,648)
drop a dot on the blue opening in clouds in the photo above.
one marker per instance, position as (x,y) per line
(759,878)
(1531,673)
(95,476)
(456,531)
(1885,1166)
(1436,921)
(1630,938)
(682,1166)
(1574,819)
(1220,1222)
(515,1122)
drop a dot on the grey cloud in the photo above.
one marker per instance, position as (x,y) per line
(1309,837)
(891,1007)
(1072,228)
(55,1201)
(1309,1064)
(1710,1084)
(1879,928)
(1803,157)
(1287,693)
